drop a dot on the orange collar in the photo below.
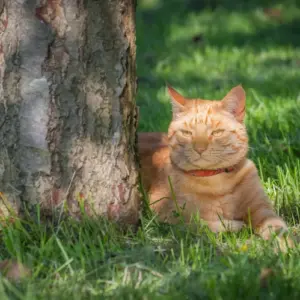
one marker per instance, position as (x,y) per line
(206,173)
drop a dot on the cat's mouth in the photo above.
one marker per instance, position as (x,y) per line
(195,164)
(200,158)
(194,167)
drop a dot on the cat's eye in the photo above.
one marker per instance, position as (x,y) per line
(186,133)
(218,132)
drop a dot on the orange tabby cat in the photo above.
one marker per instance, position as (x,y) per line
(204,153)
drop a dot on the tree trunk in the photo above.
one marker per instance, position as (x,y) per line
(67,113)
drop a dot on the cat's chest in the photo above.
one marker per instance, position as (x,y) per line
(209,199)
(206,187)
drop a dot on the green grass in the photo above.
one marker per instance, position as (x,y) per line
(96,259)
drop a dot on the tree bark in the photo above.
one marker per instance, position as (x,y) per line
(67,113)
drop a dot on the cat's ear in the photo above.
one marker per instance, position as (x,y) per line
(235,102)
(177,101)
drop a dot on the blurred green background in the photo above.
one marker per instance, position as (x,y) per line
(204,48)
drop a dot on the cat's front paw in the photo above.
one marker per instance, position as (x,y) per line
(271,226)
(276,228)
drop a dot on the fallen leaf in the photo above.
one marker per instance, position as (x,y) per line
(264,276)
(273,13)
(13,270)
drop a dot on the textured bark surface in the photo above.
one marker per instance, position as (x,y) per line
(68,116)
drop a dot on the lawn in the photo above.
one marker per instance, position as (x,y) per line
(202,48)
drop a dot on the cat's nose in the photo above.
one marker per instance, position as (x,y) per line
(200,144)
(200,149)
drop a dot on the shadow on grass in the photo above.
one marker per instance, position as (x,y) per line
(155,47)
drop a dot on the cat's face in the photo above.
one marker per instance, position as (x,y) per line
(208,134)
